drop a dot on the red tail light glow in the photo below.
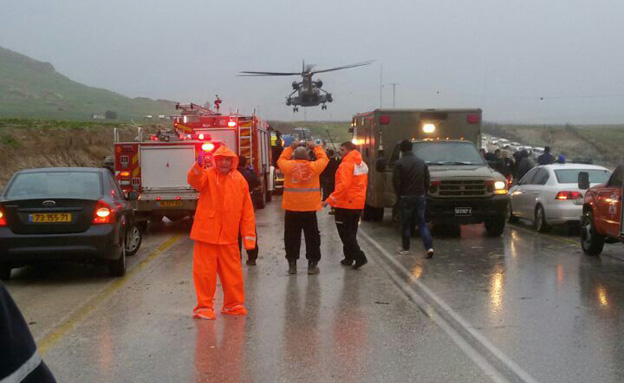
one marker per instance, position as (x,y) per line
(3,221)
(124,174)
(103,213)
(566,195)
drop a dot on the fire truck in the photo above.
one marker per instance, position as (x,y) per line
(156,166)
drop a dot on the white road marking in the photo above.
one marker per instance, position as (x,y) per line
(432,311)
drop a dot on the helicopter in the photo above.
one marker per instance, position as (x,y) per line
(309,92)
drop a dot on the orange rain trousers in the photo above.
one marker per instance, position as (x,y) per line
(208,261)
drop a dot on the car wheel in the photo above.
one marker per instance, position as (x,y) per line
(591,241)
(540,220)
(117,267)
(133,240)
(5,271)
(512,217)
(494,226)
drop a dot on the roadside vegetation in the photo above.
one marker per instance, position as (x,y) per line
(600,143)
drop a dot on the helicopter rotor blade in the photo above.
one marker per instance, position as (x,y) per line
(248,73)
(344,67)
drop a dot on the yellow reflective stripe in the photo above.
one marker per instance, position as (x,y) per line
(302,190)
(250,238)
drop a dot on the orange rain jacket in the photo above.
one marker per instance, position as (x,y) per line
(224,204)
(302,189)
(351,181)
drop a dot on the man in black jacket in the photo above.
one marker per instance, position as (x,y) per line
(411,184)
(19,360)
(546,158)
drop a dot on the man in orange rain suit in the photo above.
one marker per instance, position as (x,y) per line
(301,201)
(348,199)
(223,207)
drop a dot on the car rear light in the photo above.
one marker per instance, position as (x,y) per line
(3,221)
(566,195)
(158,198)
(103,213)
(178,198)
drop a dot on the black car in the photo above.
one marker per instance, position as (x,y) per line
(76,214)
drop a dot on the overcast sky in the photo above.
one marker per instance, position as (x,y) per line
(535,61)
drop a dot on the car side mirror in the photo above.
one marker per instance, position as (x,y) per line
(133,196)
(583,180)
(380,165)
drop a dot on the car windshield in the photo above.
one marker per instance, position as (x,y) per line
(448,153)
(56,184)
(570,176)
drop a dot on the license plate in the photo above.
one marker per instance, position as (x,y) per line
(463,211)
(50,217)
(170,204)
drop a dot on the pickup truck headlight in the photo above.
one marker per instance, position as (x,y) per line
(500,187)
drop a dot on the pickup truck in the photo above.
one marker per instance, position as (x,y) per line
(601,221)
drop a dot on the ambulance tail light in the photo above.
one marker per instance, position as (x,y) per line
(3,221)
(473,119)
(566,195)
(103,213)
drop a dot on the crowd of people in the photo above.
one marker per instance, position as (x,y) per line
(516,166)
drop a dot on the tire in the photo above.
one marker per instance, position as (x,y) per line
(134,237)
(495,226)
(591,242)
(259,198)
(377,214)
(512,217)
(540,220)
(117,267)
(366,213)
(5,271)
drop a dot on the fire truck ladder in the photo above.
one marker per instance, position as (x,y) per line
(245,141)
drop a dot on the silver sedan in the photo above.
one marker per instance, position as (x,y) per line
(549,194)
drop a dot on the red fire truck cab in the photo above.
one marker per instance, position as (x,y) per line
(157,166)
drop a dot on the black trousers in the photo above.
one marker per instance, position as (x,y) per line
(294,223)
(347,222)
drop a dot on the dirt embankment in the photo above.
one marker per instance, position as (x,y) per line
(25,147)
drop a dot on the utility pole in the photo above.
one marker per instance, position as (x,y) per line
(394,84)
(380,85)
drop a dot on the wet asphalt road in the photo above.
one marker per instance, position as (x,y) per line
(525,307)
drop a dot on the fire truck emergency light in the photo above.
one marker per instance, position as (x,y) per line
(208,147)
(231,124)
(201,136)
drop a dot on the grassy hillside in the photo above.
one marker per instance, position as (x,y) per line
(33,89)
(603,144)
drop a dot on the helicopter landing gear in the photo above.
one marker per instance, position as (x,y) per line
(295,109)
